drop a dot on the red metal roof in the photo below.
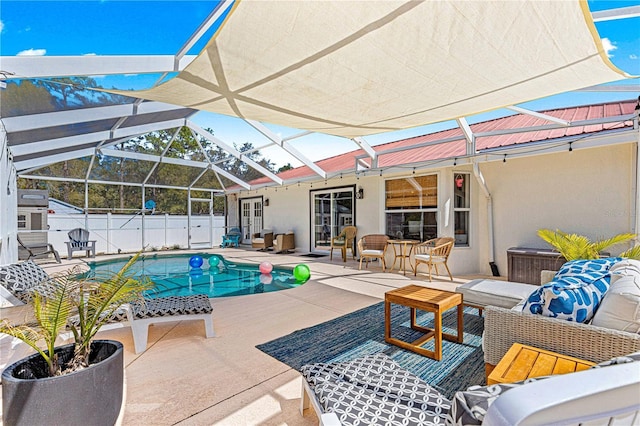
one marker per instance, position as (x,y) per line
(346,162)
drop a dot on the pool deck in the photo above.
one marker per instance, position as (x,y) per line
(184,378)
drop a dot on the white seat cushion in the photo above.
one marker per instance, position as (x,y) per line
(620,307)
(258,240)
(624,268)
(427,257)
(372,252)
(504,294)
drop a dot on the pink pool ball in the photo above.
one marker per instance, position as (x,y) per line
(266,268)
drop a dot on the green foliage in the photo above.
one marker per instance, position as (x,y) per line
(632,253)
(284,168)
(51,315)
(80,302)
(574,246)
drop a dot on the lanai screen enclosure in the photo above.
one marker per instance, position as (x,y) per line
(348,69)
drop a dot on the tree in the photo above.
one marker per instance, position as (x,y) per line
(284,168)
(23,97)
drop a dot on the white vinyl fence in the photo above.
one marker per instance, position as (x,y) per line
(116,233)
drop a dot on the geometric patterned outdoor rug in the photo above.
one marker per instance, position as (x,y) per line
(362,333)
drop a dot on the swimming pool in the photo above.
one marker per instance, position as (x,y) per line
(218,277)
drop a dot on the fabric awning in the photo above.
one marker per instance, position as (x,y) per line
(353,68)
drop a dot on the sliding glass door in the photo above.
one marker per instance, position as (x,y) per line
(331,211)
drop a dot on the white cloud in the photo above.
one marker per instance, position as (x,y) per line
(632,56)
(609,47)
(33,52)
(1,26)
(89,54)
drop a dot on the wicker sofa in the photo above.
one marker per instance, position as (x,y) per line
(614,329)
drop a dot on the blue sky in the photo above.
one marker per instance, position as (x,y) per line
(108,27)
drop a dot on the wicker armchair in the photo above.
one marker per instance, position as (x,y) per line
(373,246)
(283,243)
(345,240)
(262,240)
(504,327)
(433,252)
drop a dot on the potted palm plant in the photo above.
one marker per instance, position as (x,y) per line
(574,246)
(81,382)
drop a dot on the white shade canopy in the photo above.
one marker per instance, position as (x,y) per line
(354,68)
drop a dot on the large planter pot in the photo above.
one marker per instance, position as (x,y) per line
(92,396)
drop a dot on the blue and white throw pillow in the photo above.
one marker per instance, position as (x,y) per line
(573,298)
(574,267)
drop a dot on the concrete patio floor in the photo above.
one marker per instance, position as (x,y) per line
(186,379)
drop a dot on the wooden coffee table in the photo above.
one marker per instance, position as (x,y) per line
(425,299)
(522,362)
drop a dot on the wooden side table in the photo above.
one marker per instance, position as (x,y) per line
(522,362)
(425,299)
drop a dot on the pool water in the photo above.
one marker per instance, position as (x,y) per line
(217,277)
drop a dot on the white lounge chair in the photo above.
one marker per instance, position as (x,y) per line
(18,280)
(163,309)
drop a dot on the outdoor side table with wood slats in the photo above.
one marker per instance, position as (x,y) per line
(425,299)
(522,362)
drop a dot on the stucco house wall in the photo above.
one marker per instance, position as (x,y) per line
(589,191)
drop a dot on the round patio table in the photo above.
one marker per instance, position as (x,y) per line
(402,251)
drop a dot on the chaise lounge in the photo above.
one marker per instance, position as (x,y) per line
(18,281)
(39,249)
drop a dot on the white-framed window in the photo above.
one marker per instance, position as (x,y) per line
(461,208)
(22,221)
(411,207)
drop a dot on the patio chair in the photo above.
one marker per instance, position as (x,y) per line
(39,249)
(345,240)
(433,252)
(79,241)
(262,240)
(373,246)
(231,239)
(284,243)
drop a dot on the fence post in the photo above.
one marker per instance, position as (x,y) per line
(109,233)
(166,227)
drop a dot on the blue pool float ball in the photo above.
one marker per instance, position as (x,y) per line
(301,273)
(196,273)
(196,261)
